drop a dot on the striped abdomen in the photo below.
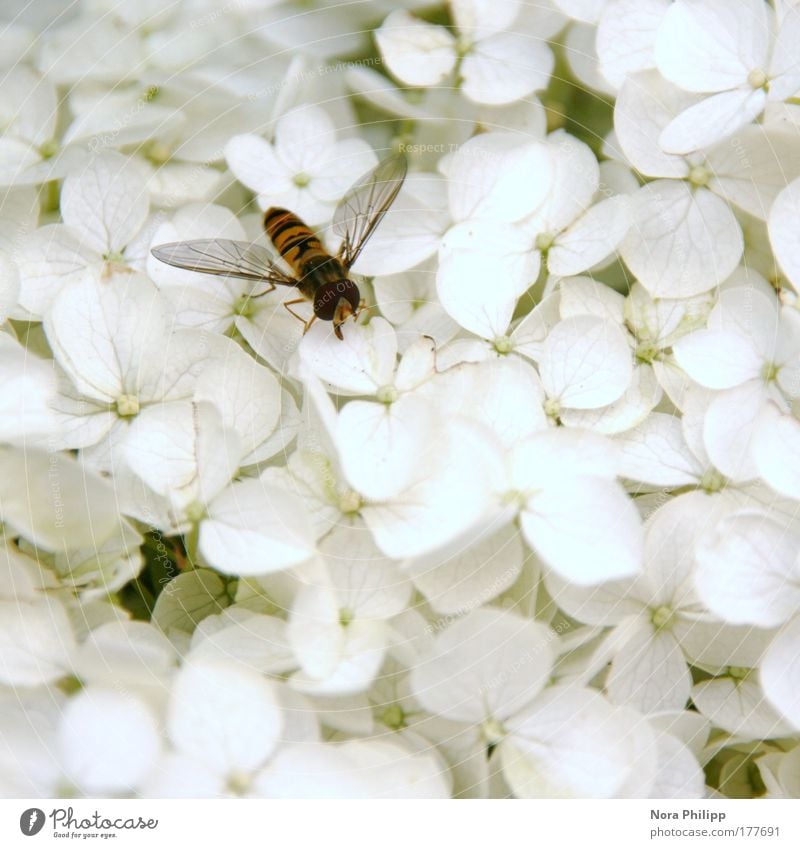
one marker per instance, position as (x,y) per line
(304,252)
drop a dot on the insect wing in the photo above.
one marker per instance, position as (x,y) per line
(361,210)
(223,257)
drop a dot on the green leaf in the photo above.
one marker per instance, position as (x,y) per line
(188,599)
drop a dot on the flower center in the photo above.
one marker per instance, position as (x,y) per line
(393,717)
(238,783)
(646,352)
(127,406)
(757,78)
(492,731)
(663,617)
(350,502)
(48,149)
(712,481)
(552,408)
(503,345)
(387,394)
(302,179)
(738,672)
(544,241)
(345,616)
(699,176)
(243,305)
(463,45)
(195,512)
(770,372)
(157,152)
(515,498)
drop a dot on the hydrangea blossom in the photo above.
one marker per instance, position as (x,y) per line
(498,50)
(737,54)
(528,528)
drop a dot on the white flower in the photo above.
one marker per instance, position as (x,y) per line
(78,51)
(783,235)
(29,149)
(305,170)
(100,568)
(187,458)
(180,125)
(686,238)
(37,641)
(130,362)
(499,53)
(254,528)
(626,37)
(735,701)
(39,512)
(144,660)
(776,450)
(224,722)
(104,207)
(494,180)
(338,621)
(585,363)
(572,511)
(490,670)
(780,773)
(467,574)
(184,452)
(27,765)
(653,326)
(96,757)
(658,621)
(28,390)
(747,569)
(361,768)
(750,353)
(780,672)
(567,229)
(383,443)
(735,53)
(449,497)
(239,635)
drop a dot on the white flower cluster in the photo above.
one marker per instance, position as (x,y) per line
(531,529)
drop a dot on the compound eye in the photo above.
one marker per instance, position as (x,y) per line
(326,299)
(328,295)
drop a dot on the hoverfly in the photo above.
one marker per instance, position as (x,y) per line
(318,276)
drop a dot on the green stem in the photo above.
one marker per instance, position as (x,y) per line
(191,540)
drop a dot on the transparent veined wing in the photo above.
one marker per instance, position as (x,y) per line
(224,257)
(361,210)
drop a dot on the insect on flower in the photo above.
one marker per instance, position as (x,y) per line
(318,276)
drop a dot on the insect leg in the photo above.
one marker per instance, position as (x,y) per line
(288,303)
(271,288)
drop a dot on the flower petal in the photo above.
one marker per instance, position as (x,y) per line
(683,242)
(489,664)
(253,528)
